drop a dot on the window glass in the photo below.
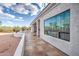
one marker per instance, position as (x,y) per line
(58,26)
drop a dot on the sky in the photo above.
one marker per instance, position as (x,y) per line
(19,14)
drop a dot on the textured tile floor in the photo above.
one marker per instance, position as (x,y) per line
(37,47)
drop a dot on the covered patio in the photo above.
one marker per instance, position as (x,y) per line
(35,46)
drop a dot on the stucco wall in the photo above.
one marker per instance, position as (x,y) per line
(72,47)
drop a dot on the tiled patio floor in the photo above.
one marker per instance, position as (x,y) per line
(37,47)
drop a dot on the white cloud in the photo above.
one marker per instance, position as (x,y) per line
(9,22)
(9,15)
(35,10)
(6,14)
(19,19)
(27,4)
(24,9)
(42,5)
(1,8)
(8,4)
(19,8)
(26,12)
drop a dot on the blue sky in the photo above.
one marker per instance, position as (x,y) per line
(19,14)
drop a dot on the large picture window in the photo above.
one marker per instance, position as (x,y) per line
(58,26)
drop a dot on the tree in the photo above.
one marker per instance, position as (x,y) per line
(55,26)
(29,28)
(23,28)
(16,29)
(50,26)
(1,27)
(0,23)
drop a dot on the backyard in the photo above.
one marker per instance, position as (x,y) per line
(8,44)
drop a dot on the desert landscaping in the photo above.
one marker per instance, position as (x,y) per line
(8,44)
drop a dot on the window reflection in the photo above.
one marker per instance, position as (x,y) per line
(58,26)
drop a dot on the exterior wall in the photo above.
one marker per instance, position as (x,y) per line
(32,28)
(72,47)
(37,27)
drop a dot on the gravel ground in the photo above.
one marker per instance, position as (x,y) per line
(8,44)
